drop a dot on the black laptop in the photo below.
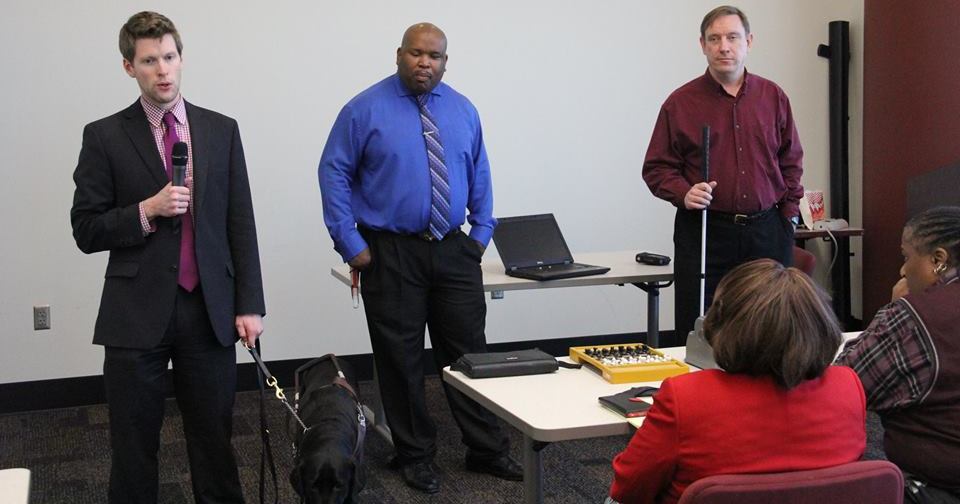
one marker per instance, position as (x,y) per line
(531,246)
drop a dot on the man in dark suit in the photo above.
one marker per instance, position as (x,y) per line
(183,278)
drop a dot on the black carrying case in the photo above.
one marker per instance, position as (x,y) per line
(497,364)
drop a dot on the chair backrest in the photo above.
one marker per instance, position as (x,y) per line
(804,260)
(873,481)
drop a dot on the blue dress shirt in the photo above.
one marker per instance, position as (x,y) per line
(374,172)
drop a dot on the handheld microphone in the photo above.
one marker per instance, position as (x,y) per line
(179,157)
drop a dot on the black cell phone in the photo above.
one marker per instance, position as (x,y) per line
(653,259)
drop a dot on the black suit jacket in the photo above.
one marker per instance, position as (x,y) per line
(119,167)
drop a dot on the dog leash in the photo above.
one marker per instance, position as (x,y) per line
(266,455)
(271,381)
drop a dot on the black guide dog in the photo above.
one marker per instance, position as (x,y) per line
(328,461)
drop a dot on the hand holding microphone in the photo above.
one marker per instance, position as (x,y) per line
(180,195)
(174,199)
(179,164)
(179,175)
(179,198)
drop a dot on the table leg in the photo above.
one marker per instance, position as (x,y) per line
(374,412)
(653,310)
(653,317)
(532,471)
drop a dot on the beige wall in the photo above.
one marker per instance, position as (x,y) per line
(569,89)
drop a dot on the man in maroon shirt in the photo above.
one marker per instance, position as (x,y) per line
(755,166)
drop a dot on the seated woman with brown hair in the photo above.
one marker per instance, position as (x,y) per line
(909,359)
(777,405)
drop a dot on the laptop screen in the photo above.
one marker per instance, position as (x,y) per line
(530,240)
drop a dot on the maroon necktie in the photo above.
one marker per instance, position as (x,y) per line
(187,275)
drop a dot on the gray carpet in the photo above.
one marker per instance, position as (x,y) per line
(67,451)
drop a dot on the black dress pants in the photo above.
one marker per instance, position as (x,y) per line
(917,491)
(729,244)
(204,379)
(410,284)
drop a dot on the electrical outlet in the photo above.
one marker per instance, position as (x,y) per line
(41,317)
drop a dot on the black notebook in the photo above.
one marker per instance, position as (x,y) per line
(629,403)
(532,246)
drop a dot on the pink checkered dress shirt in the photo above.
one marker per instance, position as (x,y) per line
(155,118)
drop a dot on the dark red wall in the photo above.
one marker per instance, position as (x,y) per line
(911,122)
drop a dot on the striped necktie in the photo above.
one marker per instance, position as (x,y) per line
(439,179)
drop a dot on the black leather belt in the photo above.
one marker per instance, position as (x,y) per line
(427,236)
(423,235)
(740,219)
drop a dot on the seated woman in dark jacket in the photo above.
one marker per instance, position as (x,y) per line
(778,405)
(909,356)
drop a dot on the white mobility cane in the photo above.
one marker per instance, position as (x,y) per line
(703,223)
(699,352)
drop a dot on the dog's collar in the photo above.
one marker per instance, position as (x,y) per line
(343,383)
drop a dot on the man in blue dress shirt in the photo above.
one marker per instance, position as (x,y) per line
(403,164)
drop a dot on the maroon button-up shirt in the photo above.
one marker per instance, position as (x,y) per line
(755,152)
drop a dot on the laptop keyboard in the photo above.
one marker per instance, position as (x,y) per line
(562,267)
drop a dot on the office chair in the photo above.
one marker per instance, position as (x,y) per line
(873,481)
(804,260)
